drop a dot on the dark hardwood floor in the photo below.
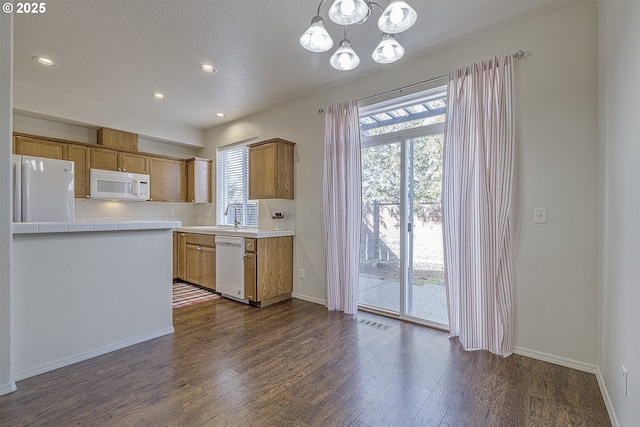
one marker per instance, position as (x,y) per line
(296,364)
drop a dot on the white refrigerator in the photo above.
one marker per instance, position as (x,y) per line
(42,190)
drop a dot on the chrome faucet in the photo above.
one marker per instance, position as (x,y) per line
(236,223)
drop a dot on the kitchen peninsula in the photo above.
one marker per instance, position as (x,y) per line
(85,289)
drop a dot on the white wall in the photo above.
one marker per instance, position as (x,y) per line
(6,79)
(555,291)
(619,89)
(91,210)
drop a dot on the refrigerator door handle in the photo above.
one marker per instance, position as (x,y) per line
(26,185)
(17,191)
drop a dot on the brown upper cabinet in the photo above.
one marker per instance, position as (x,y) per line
(79,155)
(118,139)
(103,158)
(27,146)
(172,179)
(199,180)
(168,179)
(271,169)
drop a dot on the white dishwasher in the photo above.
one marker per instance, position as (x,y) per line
(230,267)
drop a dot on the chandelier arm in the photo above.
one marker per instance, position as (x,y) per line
(321,1)
(376,4)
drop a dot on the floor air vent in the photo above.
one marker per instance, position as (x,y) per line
(373,324)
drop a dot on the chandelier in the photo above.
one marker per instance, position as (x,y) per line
(396,18)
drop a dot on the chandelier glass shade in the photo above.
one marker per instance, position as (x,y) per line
(345,58)
(316,38)
(347,12)
(388,50)
(397,17)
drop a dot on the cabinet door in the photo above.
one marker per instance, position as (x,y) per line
(79,154)
(181,254)
(118,139)
(134,163)
(102,158)
(174,246)
(168,180)
(250,276)
(208,267)
(275,267)
(199,181)
(192,270)
(263,171)
(39,148)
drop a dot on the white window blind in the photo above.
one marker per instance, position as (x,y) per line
(232,189)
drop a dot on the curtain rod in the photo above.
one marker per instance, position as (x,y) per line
(518,55)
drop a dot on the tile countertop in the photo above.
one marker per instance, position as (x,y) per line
(256,233)
(72,227)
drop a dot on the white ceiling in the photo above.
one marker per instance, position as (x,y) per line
(117,52)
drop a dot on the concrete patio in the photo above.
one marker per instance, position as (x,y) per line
(429,301)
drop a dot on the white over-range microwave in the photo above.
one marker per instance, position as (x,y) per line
(114,185)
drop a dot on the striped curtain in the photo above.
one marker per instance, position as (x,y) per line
(478,163)
(342,204)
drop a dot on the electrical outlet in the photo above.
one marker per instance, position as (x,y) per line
(172,212)
(624,380)
(301,273)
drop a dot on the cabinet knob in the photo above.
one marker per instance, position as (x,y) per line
(199,248)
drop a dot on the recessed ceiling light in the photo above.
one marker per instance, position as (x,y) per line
(158,96)
(44,61)
(206,68)
(221,115)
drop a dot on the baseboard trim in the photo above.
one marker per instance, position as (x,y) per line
(309,299)
(7,388)
(557,360)
(28,373)
(607,399)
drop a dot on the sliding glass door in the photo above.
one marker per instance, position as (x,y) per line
(425,293)
(401,257)
(381,235)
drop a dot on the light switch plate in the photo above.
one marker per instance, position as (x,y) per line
(540,215)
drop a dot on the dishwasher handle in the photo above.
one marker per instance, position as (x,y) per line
(229,241)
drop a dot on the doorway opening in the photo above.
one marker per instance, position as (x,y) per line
(401,256)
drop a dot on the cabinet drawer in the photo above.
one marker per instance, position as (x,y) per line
(201,240)
(249,245)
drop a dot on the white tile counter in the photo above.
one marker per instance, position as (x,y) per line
(255,233)
(73,227)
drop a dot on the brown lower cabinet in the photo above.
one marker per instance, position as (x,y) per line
(195,259)
(268,265)
(268,270)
